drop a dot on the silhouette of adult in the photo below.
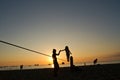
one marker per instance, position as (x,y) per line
(21,67)
(95,61)
(56,65)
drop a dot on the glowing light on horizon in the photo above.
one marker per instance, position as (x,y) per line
(50,60)
(52,66)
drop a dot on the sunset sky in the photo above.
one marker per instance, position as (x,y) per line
(91,29)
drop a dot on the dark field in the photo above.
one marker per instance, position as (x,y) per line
(97,72)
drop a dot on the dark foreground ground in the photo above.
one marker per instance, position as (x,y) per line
(98,72)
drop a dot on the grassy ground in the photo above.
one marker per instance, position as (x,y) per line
(97,72)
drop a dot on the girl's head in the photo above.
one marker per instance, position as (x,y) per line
(66,47)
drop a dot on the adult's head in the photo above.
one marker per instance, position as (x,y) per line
(54,50)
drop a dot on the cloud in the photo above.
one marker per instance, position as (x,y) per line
(115,54)
(111,57)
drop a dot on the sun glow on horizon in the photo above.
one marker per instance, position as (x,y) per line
(50,60)
(52,65)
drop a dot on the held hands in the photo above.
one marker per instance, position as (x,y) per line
(60,51)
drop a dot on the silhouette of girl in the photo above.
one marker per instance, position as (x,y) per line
(67,52)
(56,65)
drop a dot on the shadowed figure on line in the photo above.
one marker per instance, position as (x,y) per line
(56,65)
(67,52)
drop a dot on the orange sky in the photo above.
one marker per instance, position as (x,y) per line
(91,29)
